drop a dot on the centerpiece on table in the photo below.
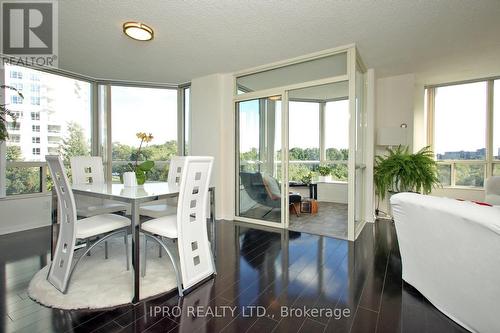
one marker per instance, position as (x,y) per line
(139,171)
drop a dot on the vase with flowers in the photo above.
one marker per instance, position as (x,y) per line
(139,169)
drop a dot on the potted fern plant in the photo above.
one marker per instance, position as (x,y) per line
(402,171)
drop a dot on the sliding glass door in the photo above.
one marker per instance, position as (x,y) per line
(259,162)
(300,141)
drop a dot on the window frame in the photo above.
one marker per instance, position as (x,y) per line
(108,164)
(322,134)
(98,146)
(489,161)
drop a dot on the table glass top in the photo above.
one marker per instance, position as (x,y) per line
(119,190)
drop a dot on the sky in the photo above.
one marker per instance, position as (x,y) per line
(460,117)
(147,110)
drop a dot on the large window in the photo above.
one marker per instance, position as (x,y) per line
(149,110)
(56,117)
(318,134)
(463,124)
(58,121)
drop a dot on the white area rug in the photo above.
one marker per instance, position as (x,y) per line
(99,283)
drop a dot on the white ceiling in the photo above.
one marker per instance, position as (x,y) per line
(196,38)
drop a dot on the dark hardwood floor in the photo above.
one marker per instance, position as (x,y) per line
(259,271)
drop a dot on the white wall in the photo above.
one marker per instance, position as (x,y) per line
(371,99)
(395,103)
(332,192)
(212,134)
(23,214)
(327,192)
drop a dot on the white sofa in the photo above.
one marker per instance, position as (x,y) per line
(450,252)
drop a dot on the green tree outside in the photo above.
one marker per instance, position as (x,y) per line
(21,180)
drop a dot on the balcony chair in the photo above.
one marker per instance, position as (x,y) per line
(89,170)
(71,230)
(169,207)
(492,193)
(266,190)
(188,228)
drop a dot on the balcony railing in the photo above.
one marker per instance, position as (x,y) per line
(298,169)
(462,173)
(25,178)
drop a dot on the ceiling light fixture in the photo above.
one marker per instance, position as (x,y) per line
(138,31)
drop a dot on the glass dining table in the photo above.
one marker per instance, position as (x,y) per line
(135,196)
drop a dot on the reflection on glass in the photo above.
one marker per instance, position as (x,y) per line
(444,174)
(469,175)
(460,109)
(259,137)
(496,120)
(149,110)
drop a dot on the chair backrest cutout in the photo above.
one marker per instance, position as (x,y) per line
(87,170)
(63,256)
(194,247)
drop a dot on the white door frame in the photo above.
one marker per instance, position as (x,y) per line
(283,91)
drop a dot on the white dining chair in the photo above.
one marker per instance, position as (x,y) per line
(89,170)
(168,206)
(187,230)
(72,231)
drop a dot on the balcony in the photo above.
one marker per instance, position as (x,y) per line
(54,129)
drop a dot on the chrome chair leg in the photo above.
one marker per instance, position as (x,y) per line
(127,256)
(87,246)
(106,256)
(213,260)
(172,259)
(87,250)
(144,256)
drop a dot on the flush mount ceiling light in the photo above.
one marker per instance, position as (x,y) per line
(138,31)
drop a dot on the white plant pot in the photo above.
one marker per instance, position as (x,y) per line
(129,179)
(324,179)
